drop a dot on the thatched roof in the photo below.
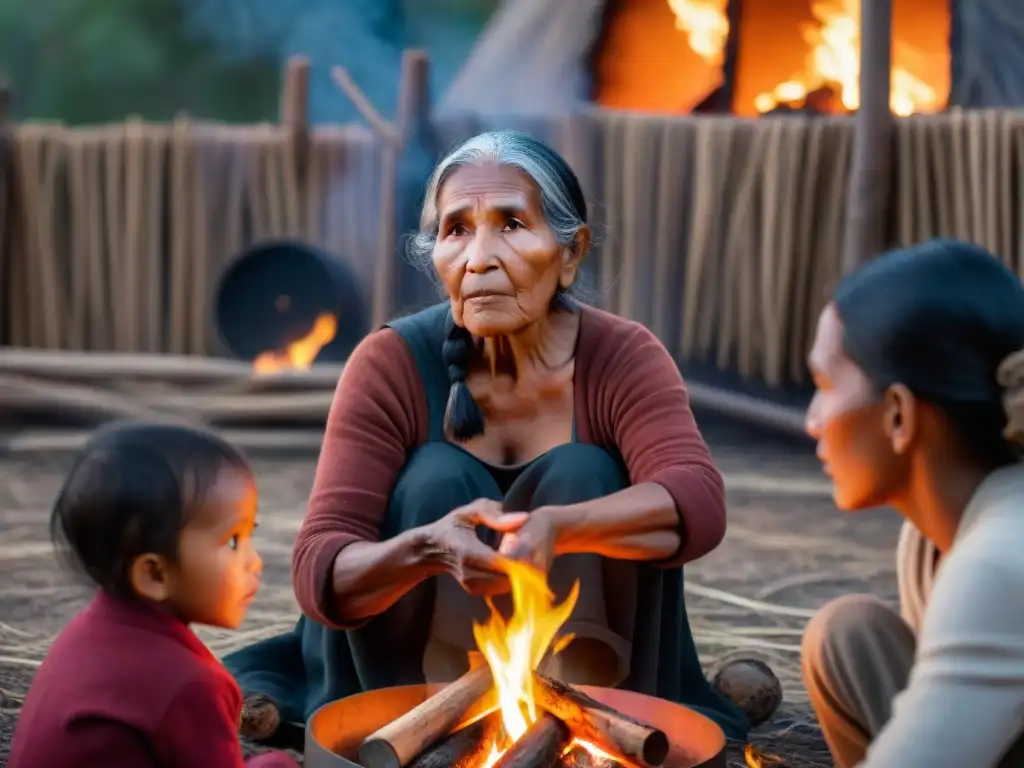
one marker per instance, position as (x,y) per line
(532,58)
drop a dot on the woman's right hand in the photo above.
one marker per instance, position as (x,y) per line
(454,541)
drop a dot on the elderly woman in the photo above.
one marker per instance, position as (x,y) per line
(509,409)
(909,413)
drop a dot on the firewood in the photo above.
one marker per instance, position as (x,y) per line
(540,747)
(396,744)
(592,721)
(467,747)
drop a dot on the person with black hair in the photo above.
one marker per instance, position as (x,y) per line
(919,372)
(160,519)
(512,420)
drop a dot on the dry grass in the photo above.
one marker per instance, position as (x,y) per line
(786,553)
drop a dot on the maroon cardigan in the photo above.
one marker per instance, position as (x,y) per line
(127,685)
(628,395)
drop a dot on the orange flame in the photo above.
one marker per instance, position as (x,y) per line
(514,649)
(706,25)
(755,759)
(299,354)
(834,61)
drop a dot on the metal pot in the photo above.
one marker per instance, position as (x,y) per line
(272,293)
(336,730)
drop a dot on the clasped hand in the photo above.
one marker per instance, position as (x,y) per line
(480,569)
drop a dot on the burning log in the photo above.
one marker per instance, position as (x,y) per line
(396,744)
(467,747)
(590,720)
(540,747)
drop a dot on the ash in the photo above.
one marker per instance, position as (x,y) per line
(580,758)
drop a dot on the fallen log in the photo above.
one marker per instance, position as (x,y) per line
(82,366)
(274,441)
(68,365)
(25,393)
(91,404)
(397,743)
(540,747)
(467,747)
(590,720)
(752,410)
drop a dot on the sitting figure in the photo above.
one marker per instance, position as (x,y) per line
(913,361)
(512,408)
(161,519)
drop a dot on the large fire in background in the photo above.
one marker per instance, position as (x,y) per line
(832,64)
(792,54)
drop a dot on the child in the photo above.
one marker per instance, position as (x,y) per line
(160,518)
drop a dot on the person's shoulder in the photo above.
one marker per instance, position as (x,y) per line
(390,346)
(600,329)
(993,523)
(123,671)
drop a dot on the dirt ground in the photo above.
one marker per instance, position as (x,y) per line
(787,551)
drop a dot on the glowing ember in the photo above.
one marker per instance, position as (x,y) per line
(706,25)
(833,61)
(300,354)
(755,759)
(515,648)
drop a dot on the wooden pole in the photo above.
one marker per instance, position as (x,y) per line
(8,186)
(865,229)
(294,108)
(413,106)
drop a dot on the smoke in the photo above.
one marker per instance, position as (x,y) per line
(365,36)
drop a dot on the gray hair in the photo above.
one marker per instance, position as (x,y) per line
(561,195)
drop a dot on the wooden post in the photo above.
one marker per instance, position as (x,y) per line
(7,215)
(293,108)
(865,230)
(413,106)
(730,62)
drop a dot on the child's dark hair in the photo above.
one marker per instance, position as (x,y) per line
(131,490)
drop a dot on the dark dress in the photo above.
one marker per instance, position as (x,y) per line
(638,610)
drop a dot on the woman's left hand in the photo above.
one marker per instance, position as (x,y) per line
(534,542)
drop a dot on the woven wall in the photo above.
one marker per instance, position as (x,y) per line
(720,234)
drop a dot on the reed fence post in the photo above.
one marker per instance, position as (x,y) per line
(413,106)
(294,110)
(864,233)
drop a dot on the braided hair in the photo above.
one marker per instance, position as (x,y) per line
(463,419)
(565,211)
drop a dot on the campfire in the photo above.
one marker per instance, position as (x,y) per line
(506,712)
(301,353)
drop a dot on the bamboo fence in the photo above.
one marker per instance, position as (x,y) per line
(723,235)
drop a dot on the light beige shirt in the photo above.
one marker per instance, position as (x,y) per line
(964,704)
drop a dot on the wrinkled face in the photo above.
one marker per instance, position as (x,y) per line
(498,259)
(862,438)
(217,573)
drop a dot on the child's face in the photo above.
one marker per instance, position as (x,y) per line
(218,571)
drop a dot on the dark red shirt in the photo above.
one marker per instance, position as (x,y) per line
(127,685)
(628,395)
